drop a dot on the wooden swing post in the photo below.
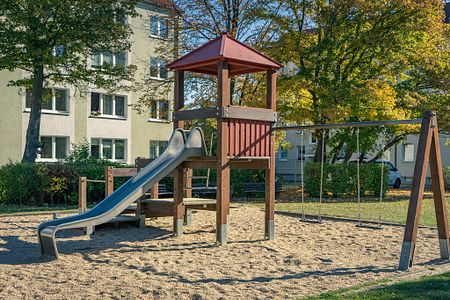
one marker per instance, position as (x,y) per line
(428,152)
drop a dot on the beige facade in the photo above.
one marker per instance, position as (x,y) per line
(116,129)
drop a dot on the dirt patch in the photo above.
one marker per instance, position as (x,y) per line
(149,263)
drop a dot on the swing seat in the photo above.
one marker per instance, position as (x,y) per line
(369,226)
(309,220)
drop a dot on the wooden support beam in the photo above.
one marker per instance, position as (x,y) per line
(124,172)
(179,178)
(440,205)
(269,228)
(109,181)
(234,163)
(82,194)
(195,114)
(428,151)
(223,168)
(178,207)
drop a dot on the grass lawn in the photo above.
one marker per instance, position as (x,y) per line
(12,209)
(393,209)
(430,287)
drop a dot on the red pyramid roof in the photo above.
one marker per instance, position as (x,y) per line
(241,58)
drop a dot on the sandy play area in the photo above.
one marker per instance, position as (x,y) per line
(132,263)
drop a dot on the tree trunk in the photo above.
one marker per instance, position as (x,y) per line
(34,125)
(321,137)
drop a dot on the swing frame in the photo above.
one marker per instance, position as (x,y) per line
(429,153)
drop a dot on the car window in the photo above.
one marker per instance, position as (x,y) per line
(391,166)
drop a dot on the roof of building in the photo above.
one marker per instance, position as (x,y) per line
(162,3)
(241,58)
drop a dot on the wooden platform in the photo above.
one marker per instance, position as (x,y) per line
(164,207)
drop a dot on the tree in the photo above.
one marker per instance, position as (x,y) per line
(199,21)
(360,60)
(51,41)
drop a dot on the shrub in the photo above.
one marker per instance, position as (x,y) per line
(51,183)
(341,179)
(447,178)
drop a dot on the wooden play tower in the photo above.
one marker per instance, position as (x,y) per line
(244,136)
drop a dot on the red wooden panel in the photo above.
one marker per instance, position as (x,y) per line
(238,137)
(242,138)
(247,138)
(267,134)
(231,130)
(258,139)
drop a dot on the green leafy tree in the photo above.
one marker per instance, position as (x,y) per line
(51,40)
(361,60)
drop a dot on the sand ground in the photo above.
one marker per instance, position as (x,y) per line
(132,263)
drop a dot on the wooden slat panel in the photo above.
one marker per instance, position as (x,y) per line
(231,131)
(124,172)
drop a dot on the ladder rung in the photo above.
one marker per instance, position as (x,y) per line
(198,177)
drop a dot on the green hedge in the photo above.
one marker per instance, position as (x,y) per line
(38,184)
(447,178)
(341,179)
(56,184)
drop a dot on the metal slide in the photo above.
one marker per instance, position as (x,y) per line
(178,150)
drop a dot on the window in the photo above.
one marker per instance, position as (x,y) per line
(54,100)
(108,105)
(157,148)
(159,27)
(53,148)
(312,138)
(58,50)
(282,153)
(112,149)
(100,58)
(158,68)
(159,110)
(301,151)
(408,152)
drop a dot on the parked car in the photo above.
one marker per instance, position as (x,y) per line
(395,178)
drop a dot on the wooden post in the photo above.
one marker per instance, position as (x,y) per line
(223,168)
(428,151)
(437,179)
(82,194)
(139,212)
(109,181)
(178,180)
(270,170)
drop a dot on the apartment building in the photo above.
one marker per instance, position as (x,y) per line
(107,121)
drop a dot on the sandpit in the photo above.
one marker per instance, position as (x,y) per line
(132,263)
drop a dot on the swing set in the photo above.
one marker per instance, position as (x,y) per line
(428,154)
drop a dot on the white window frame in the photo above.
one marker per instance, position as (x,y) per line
(311,142)
(125,53)
(404,152)
(304,152)
(53,110)
(158,22)
(280,151)
(157,148)
(160,62)
(158,117)
(113,150)
(54,159)
(114,115)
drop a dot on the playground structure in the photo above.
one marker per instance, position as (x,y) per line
(428,153)
(244,140)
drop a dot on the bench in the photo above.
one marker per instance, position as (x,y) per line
(250,188)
